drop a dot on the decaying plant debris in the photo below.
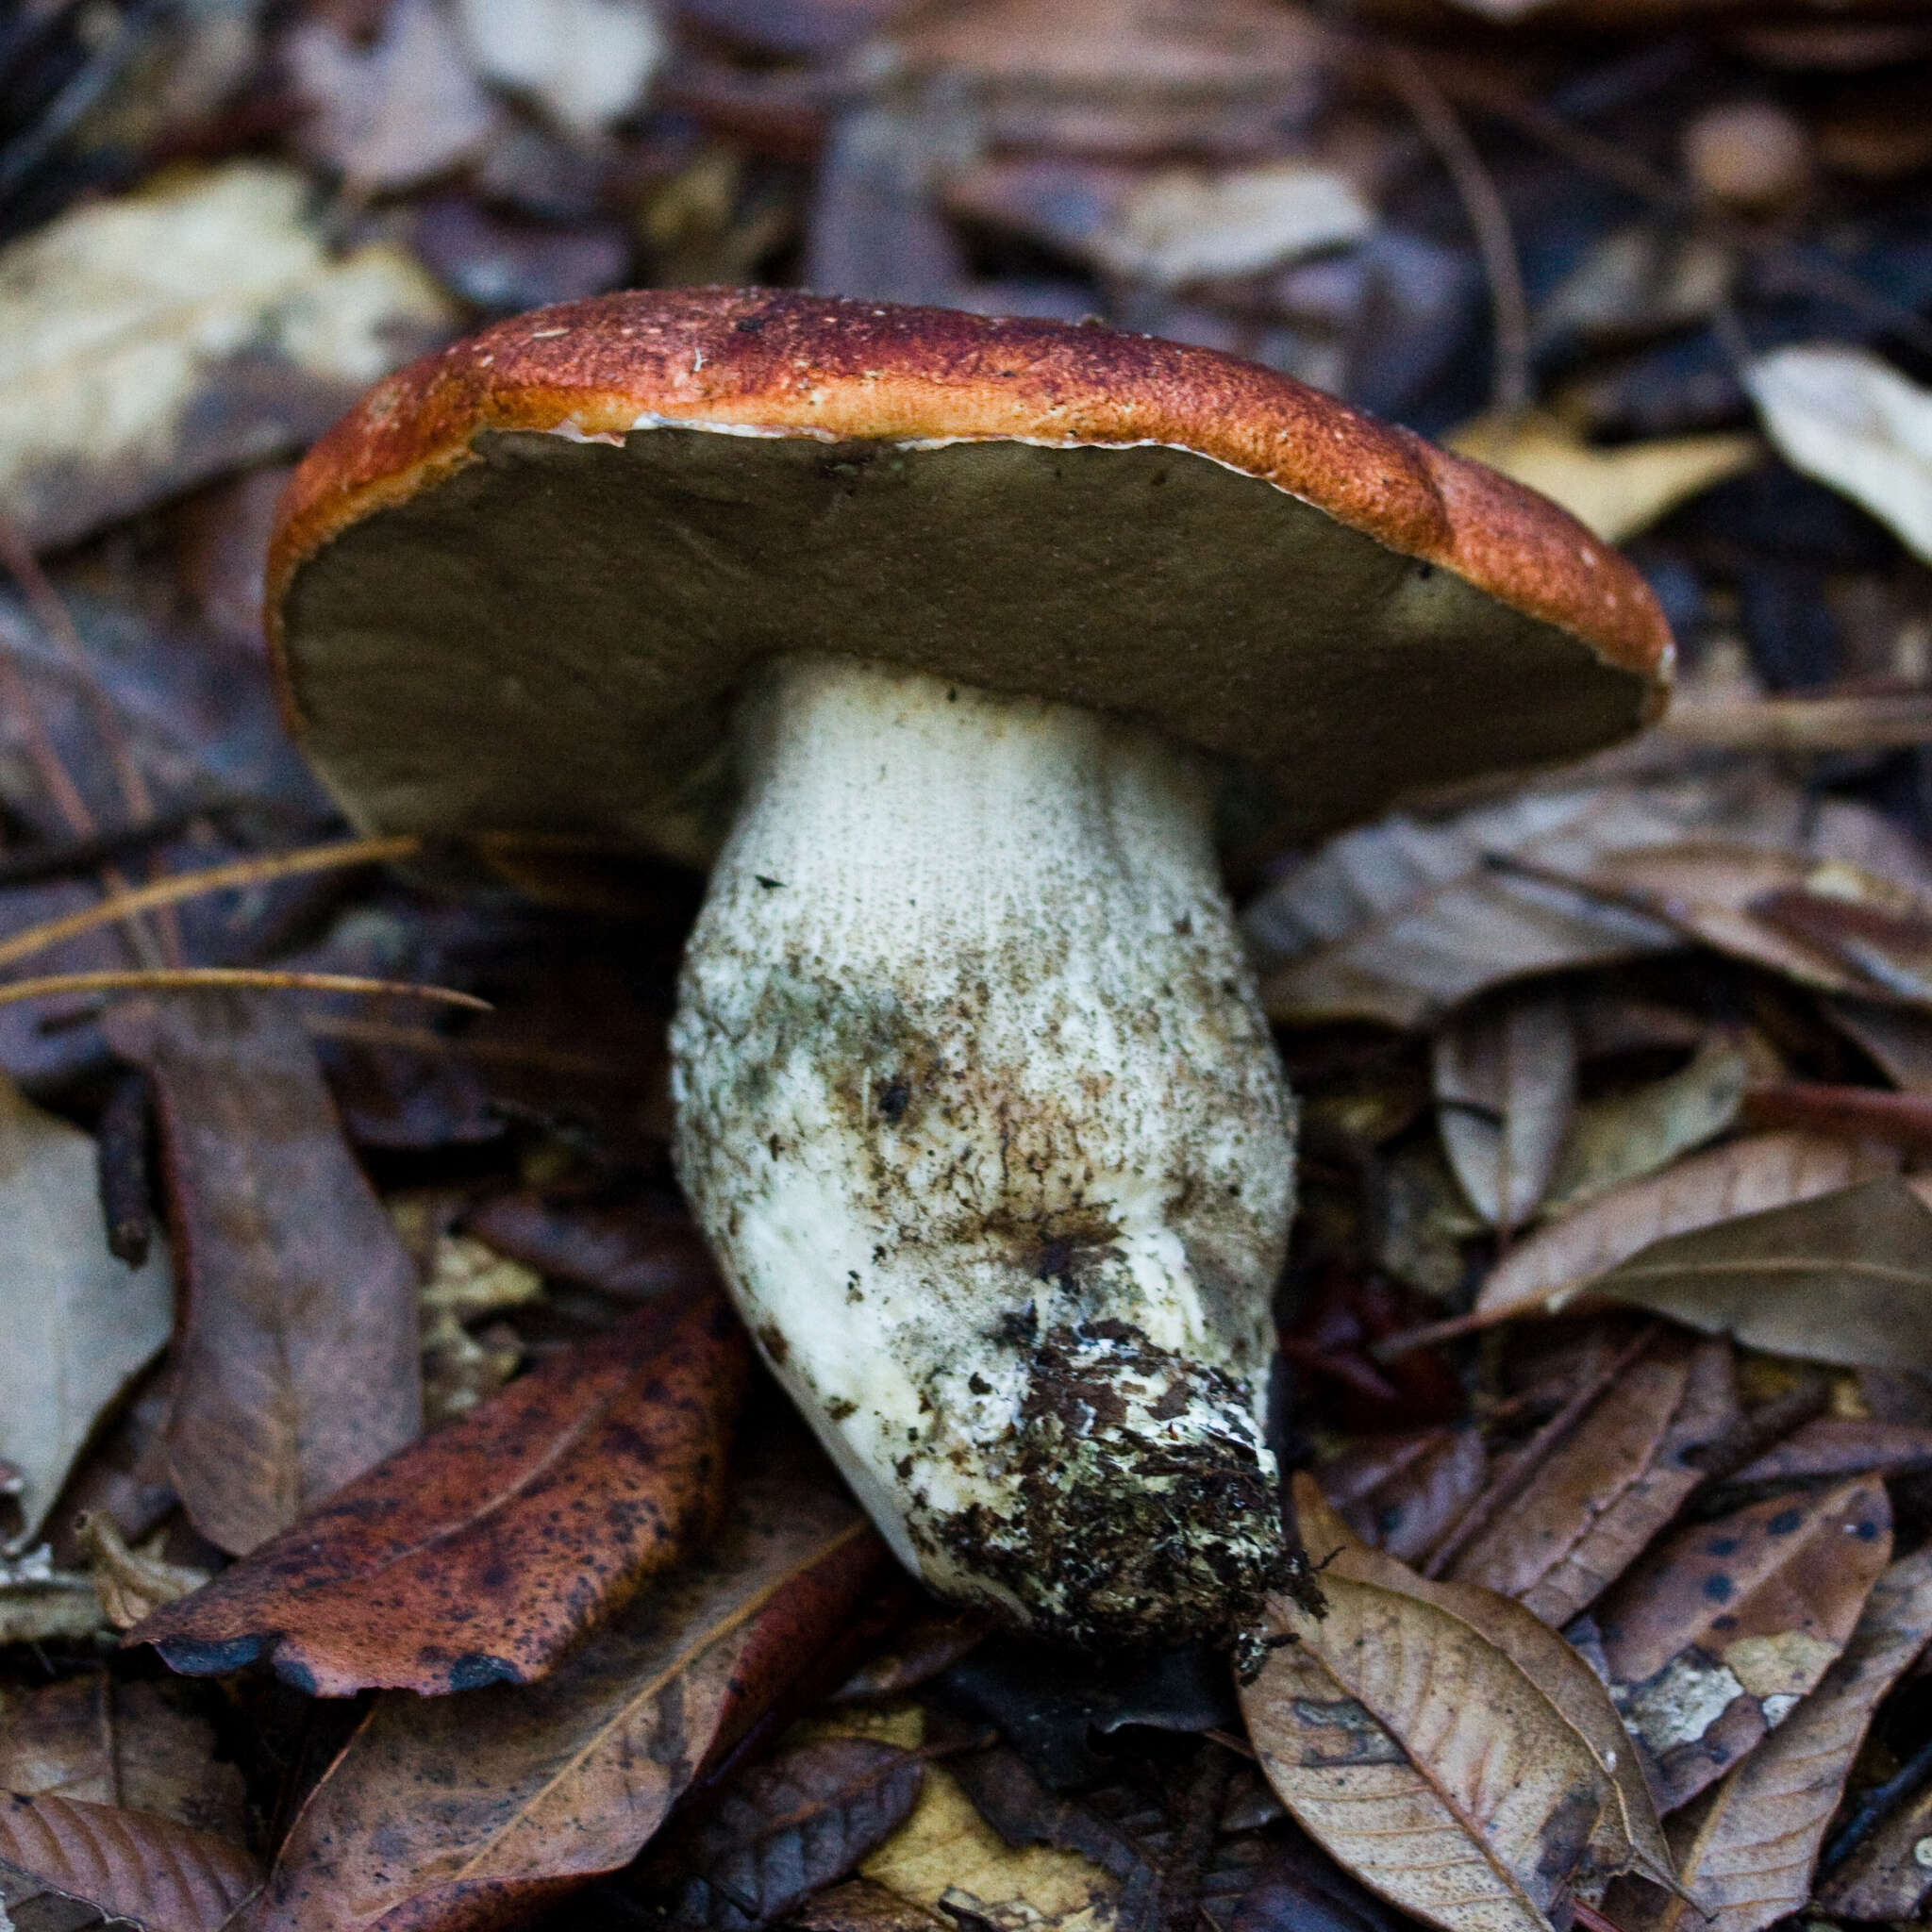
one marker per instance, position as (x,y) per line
(396,1537)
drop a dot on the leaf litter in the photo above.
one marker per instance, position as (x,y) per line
(1624,1066)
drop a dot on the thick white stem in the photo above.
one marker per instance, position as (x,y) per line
(978,1111)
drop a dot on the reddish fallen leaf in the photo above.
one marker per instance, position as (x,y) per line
(297,1365)
(1401,1493)
(788,1828)
(1890,943)
(132,1865)
(1610,1485)
(469,1811)
(634,1250)
(927,1645)
(1715,1636)
(1745,1851)
(1853,1113)
(1829,1445)
(483,1552)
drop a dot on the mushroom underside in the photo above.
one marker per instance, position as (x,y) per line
(978,1111)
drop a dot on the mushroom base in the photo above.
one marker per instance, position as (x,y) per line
(981,1117)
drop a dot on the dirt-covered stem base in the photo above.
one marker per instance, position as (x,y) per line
(978,1111)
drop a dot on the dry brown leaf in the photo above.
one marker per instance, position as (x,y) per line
(1747,1848)
(120,1742)
(472,1809)
(1629,1837)
(1505,1077)
(79,1325)
(1898,1038)
(298,1364)
(1887,1878)
(1627,1135)
(1836,1446)
(1716,1635)
(1421,1755)
(152,341)
(1399,1493)
(1609,1487)
(132,1865)
(1743,1177)
(1844,1278)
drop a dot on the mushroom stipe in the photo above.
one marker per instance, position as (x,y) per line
(950,642)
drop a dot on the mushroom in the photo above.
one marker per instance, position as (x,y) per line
(949,642)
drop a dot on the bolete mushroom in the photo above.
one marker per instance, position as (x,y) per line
(944,638)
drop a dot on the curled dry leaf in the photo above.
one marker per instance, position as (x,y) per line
(132,1865)
(1505,1077)
(152,341)
(79,1326)
(1410,1732)
(297,1367)
(1898,1038)
(633,1252)
(1844,1278)
(471,1809)
(1833,1446)
(1399,1493)
(1627,1135)
(1610,1485)
(1749,901)
(787,1829)
(1714,1638)
(483,1552)
(1747,1848)
(1743,1177)
(1400,920)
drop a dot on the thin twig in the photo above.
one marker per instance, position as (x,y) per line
(218,978)
(1511,387)
(217,878)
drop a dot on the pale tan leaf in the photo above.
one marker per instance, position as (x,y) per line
(79,1325)
(1746,1850)
(1505,1078)
(1627,1135)
(151,342)
(1616,493)
(1743,1177)
(1851,420)
(1424,1759)
(1713,1639)
(1845,1278)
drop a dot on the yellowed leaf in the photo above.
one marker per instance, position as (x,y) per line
(1616,493)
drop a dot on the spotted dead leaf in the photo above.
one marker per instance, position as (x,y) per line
(1716,1635)
(1742,1177)
(1420,1752)
(79,1326)
(152,341)
(1505,1079)
(482,1552)
(1746,1849)
(1603,1489)
(131,1865)
(474,1808)
(1399,1493)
